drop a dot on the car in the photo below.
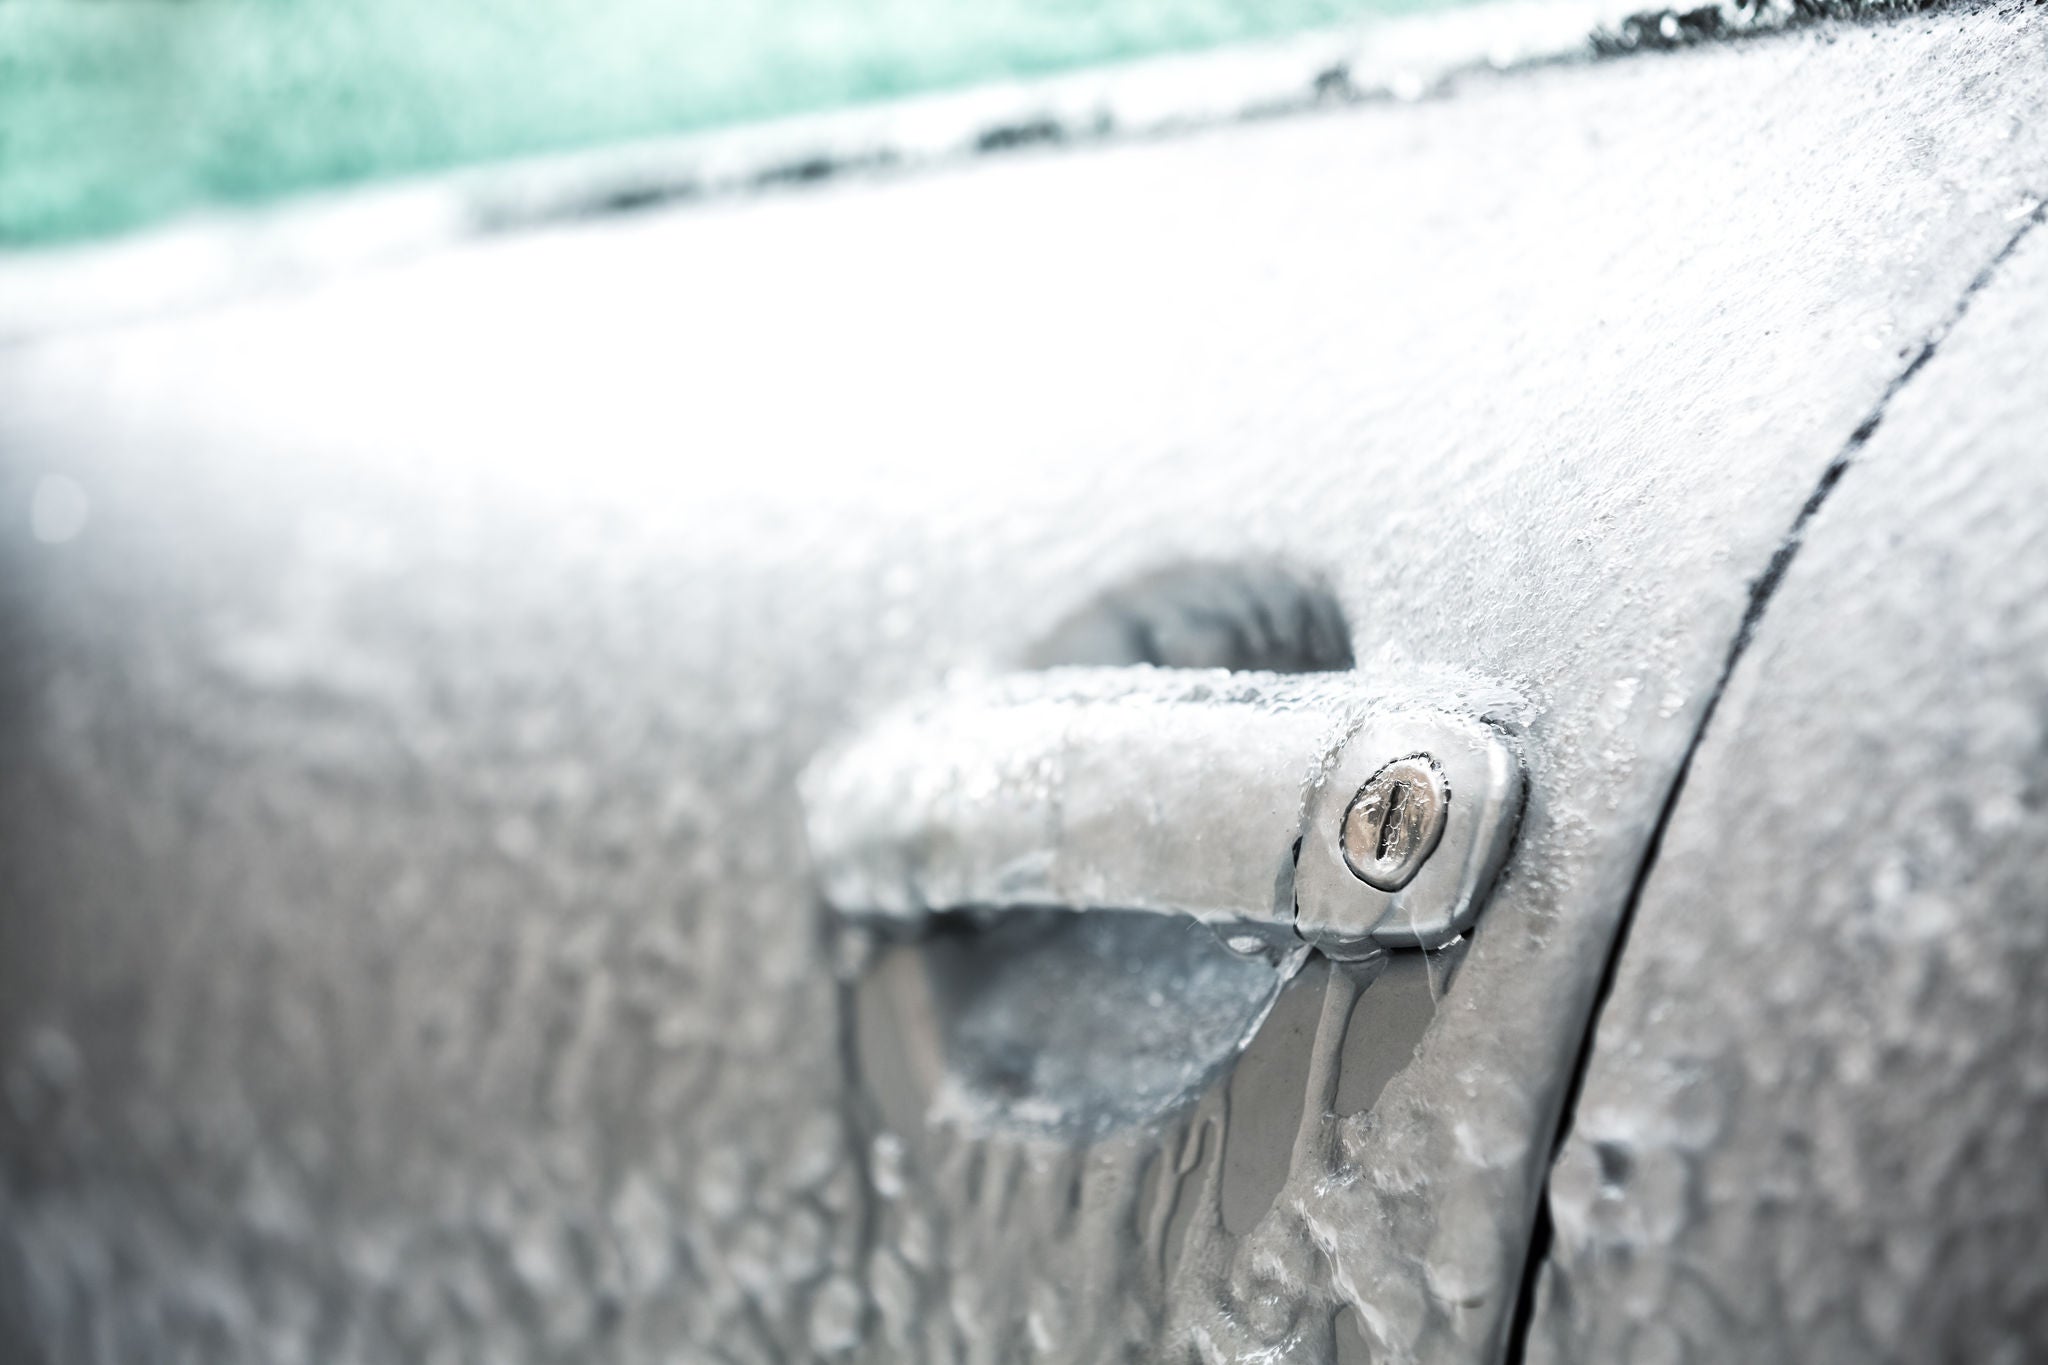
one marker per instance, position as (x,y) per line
(1261,708)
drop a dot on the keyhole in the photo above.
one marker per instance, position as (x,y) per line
(1390,823)
(1394,822)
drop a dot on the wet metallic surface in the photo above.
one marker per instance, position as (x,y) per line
(1176,791)
(1218,796)
(408,951)
(1061,1026)
(1478,759)
(1395,822)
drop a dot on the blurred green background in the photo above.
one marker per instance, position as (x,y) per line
(119,113)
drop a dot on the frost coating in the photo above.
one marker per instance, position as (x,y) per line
(1171,790)
(1814,1121)
(1180,792)
(399,767)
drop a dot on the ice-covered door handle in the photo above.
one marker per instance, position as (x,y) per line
(1268,803)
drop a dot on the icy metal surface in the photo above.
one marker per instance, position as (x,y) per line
(1177,791)
(1815,1117)
(1482,788)
(406,947)
(1060,1026)
(1214,795)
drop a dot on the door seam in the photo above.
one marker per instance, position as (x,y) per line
(1762,589)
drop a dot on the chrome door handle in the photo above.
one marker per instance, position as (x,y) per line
(1268,804)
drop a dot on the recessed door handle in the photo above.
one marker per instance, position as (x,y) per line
(1269,804)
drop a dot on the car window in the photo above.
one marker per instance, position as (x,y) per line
(121,113)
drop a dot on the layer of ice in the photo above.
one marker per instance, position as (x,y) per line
(1814,1122)
(410,952)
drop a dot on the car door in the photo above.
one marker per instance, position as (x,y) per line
(413,943)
